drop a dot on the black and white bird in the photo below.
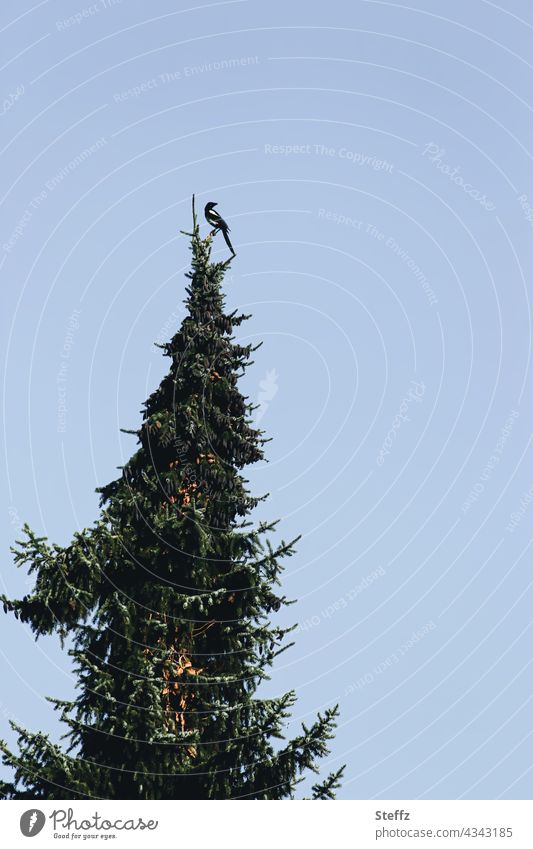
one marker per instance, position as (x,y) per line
(217,222)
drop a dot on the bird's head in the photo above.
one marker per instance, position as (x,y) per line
(210,205)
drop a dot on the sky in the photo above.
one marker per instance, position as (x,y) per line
(374,162)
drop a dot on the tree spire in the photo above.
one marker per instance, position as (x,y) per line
(167,598)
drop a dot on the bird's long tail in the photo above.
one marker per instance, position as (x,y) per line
(227,240)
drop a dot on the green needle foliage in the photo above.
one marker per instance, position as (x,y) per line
(167,599)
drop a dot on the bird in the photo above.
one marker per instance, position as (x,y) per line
(218,223)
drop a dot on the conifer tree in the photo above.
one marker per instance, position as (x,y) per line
(167,600)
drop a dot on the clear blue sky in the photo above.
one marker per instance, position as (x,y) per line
(374,161)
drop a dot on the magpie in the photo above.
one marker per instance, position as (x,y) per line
(218,223)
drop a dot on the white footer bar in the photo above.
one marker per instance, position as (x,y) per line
(259,825)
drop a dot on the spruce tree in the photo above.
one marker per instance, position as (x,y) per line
(166,599)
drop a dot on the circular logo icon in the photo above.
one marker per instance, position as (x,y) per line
(32,822)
